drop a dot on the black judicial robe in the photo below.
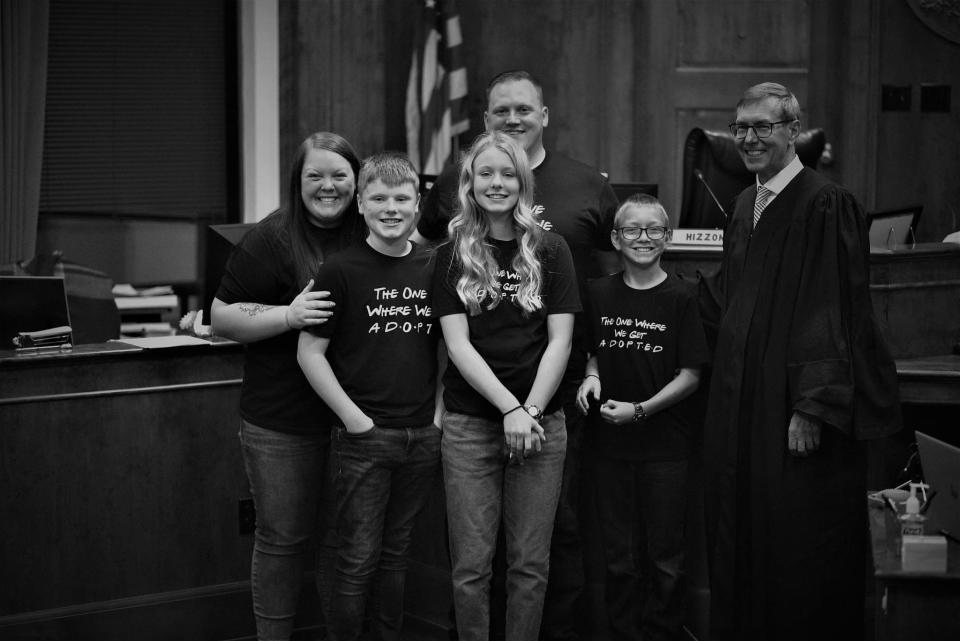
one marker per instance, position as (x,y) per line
(787,535)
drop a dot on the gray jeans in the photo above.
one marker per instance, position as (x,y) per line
(483,486)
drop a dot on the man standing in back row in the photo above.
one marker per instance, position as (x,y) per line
(801,377)
(577,202)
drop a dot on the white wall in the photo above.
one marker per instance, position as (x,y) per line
(259,108)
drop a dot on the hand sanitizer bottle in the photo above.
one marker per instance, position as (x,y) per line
(912,521)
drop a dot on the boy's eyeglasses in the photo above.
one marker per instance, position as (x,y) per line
(761,129)
(633,233)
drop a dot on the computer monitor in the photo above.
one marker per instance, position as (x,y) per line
(892,228)
(221,239)
(31,304)
(941,470)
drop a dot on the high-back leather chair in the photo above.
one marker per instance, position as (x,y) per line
(714,154)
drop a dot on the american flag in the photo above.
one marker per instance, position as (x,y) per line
(437,88)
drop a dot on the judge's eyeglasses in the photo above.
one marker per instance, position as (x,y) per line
(761,129)
(633,233)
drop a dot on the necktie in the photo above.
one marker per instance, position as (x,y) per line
(763,194)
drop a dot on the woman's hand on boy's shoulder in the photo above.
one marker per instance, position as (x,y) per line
(309,308)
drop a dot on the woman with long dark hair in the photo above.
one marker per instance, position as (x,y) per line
(264,300)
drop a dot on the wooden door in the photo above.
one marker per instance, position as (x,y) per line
(703,54)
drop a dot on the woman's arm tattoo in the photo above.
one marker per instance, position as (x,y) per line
(252,309)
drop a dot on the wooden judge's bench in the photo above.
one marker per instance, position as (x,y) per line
(916,293)
(122,479)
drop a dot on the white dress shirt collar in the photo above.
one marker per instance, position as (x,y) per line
(779,182)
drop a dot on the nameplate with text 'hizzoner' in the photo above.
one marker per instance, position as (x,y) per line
(697,237)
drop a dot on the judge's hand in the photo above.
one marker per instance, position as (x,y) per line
(617,412)
(803,435)
(309,308)
(589,388)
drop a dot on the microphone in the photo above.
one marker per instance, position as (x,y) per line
(699,175)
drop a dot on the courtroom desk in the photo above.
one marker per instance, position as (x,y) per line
(915,293)
(930,379)
(911,606)
(930,396)
(121,473)
(916,297)
(688,261)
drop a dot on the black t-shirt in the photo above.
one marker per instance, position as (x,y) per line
(511,342)
(275,394)
(571,199)
(383,336)
(642,337)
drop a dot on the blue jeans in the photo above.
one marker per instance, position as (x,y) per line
(482,487)
(286,474)
(384,478)
(641,507)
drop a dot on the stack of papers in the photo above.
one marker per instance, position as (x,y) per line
(159,342)
(126,289)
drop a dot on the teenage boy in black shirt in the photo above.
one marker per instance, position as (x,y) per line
(375,364)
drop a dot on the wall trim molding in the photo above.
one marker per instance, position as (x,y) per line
(126,603)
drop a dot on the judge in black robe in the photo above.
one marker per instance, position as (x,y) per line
(797,346)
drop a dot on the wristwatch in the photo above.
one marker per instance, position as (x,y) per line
(534,411)
(639,414)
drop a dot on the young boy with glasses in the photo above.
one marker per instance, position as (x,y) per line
(647,348)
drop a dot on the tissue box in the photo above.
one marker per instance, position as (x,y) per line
(924,553)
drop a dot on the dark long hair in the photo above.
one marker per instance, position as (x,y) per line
(307,256)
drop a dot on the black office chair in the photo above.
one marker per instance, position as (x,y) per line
(625,190)
(714,154)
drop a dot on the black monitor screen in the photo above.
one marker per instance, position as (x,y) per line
(30,304)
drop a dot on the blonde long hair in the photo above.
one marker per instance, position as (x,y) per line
(478,285)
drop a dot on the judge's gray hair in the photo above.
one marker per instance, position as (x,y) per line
(789,105)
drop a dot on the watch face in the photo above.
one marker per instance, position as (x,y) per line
(533,411)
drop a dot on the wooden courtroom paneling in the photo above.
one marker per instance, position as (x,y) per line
(121,476)
(705,54)
(916,296)
(585,53)
(332,74)
(918,153)
(739,33)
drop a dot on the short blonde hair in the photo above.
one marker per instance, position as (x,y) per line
(391,167)
(641,200)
